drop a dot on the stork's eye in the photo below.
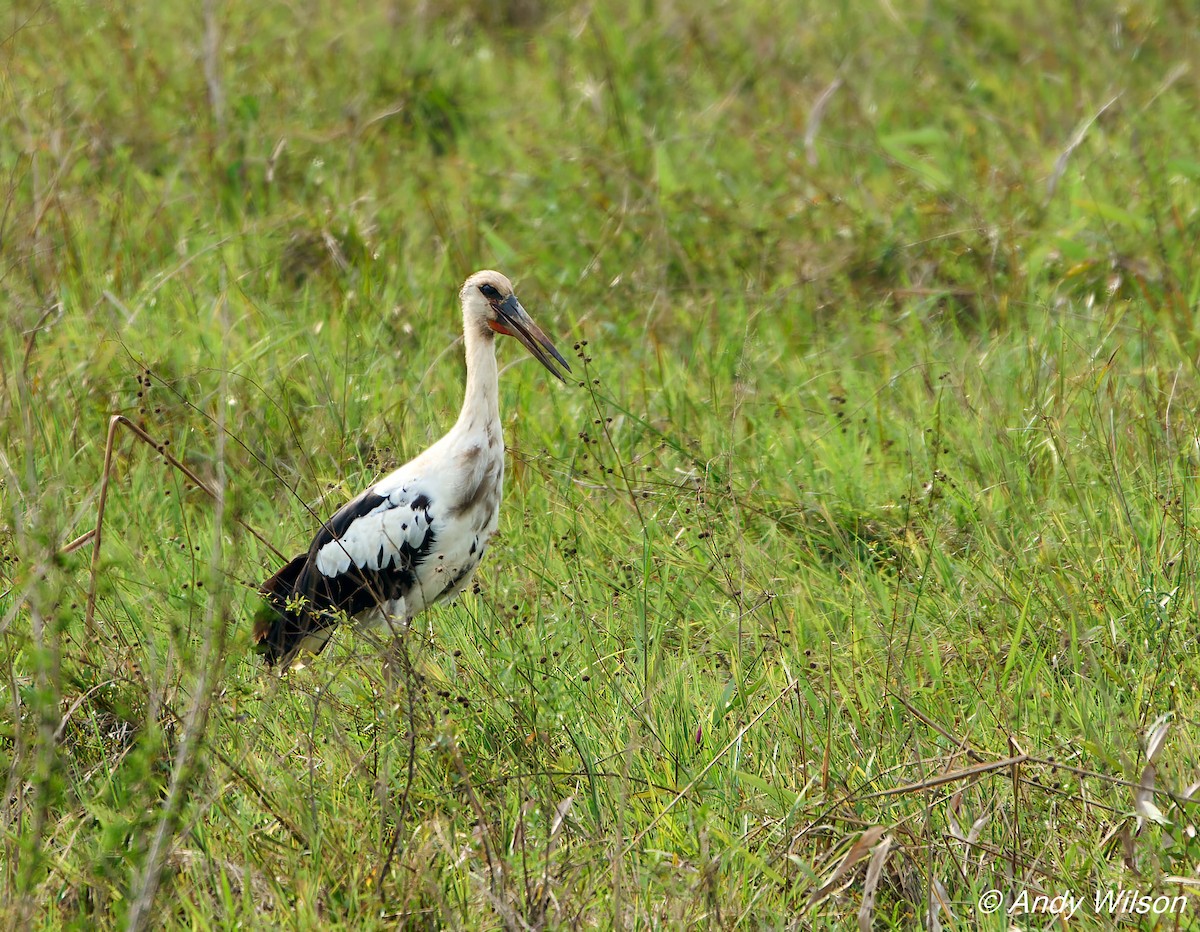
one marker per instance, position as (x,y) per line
(490,292)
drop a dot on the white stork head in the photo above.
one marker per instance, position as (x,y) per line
(488,301)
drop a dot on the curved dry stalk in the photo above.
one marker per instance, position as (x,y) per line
(97,533)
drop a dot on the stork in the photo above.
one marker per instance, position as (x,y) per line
(415,537)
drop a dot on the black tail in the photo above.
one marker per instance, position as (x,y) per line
(280,629)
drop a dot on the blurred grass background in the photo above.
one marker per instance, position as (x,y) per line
(878,468)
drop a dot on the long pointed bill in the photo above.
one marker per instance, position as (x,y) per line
(516,322)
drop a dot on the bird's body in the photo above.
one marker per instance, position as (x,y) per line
(416,536)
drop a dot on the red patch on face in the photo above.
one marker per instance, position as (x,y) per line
(499,328)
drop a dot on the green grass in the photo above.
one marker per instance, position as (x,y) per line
(880,465)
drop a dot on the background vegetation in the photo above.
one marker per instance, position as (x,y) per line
(853,579)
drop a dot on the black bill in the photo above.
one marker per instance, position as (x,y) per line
(520,325)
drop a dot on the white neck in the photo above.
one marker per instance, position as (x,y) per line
(481,402)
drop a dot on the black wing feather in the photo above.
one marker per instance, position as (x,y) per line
(302,600)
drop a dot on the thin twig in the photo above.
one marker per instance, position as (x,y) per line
(480,814)
(211,659)
(90,613)
(96,534)
(401,645)
(813,126)
(941,730)
(942,779)
(707,767)
(212,68)
(1060,164)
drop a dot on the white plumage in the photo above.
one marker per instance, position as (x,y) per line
(415,537)
(376,540)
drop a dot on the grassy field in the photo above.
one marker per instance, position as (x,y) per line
(853,579)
